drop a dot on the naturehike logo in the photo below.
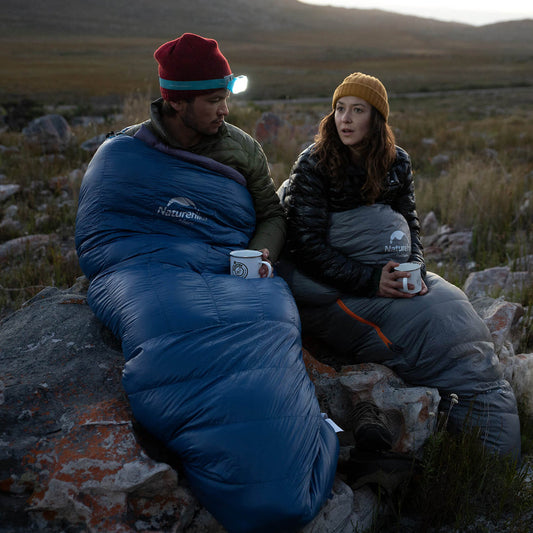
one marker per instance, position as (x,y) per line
(181,208)
(398,242)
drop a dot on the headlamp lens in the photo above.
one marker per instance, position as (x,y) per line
(238,84)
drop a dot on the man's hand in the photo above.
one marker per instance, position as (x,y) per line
(263,271)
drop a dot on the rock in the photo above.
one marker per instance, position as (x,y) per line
(269,127)
(86,121)
(504,320)
(507,322)
(447,244)
(9,225)
(68,450)
(518,370)
(490,153)
(497,281)
(92,144)
(21,244)
(9,149)
(51,132)
(11,211)
(346,511)
(7,191)
(412,410)
(440,160)
(430,224)
(479,283)
(51,158)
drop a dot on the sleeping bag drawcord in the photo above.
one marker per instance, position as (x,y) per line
(390,345)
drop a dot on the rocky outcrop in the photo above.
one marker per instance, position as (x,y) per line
(52,133)
(72,458)
(411,410)
(8,190)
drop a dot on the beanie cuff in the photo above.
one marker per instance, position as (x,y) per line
(234,84)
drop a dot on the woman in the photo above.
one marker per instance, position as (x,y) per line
(352,219)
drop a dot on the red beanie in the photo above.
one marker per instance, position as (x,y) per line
(189,58)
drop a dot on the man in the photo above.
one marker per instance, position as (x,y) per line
(213,362)
(195,82)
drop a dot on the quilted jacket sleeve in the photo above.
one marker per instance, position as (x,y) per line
(270,217)
(403,201)
(237,149)
(307,239)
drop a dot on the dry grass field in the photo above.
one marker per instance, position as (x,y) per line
(288,49)
(95,69)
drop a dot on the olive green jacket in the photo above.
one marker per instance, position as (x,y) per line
(235,148)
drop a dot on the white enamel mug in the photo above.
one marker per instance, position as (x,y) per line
(246,263)
(415,277)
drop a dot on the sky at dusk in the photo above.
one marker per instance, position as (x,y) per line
(475,12)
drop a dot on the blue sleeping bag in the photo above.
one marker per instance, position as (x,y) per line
(214,364)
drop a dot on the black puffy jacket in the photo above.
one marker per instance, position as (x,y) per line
(310,197)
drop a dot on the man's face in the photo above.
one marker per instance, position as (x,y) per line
(203,116)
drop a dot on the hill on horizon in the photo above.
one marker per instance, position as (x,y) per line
(287,48)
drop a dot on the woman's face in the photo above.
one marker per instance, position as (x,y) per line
(352,118)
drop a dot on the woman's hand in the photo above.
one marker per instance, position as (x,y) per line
(390,283)
(263,270)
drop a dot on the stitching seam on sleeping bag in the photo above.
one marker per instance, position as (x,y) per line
(381,335)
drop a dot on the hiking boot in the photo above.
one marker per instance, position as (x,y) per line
(386,470)
(371,427)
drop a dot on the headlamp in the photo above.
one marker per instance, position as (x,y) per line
(234,84)
(237,84)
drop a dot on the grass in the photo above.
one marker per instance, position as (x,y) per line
(45,205)
(459,485)
(69,69)
(460,480)
(72,70)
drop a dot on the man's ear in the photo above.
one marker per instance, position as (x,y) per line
(177,105)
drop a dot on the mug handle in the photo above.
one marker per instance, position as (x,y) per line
(404,283)
(269,266)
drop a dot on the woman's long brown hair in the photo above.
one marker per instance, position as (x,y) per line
(375,153)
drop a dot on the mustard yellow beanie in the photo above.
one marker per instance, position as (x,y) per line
(366,87)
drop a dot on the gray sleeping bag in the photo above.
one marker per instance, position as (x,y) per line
(436,340)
